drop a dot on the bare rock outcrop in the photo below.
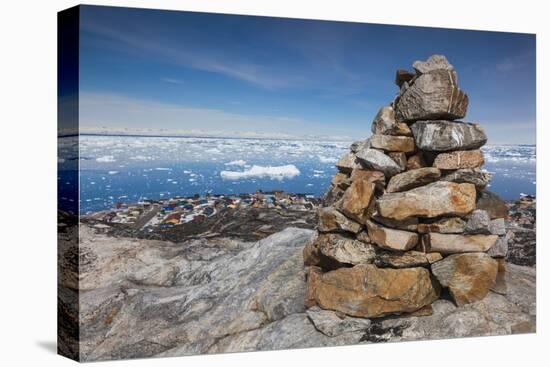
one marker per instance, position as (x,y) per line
(218,295)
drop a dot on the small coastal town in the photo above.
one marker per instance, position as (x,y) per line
(148,215)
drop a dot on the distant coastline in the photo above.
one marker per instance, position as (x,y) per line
(225,135)
(249,135)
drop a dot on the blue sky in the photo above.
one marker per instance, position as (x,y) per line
(187,71)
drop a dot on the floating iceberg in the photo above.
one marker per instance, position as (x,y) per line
(274,172)
(106,159)
(238,162)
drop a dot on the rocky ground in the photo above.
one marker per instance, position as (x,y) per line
(247,224)
(212,294)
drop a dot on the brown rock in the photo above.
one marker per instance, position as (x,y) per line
(453,225)
(345,250)
(424,311)
(469,277)
(376,177)
(433,200)
(347,163)
(392,239)
(402,129)
(331,220)
(385,123)
(402,76)
(455,243)
(409,224)
(391,143)
(356,200)
(333,194)
(408,259)
(341,180)
(459,159)
(493,204)
(400,158)
(313,275)
(413,178)
(311,254)
(368,291)
(415,161)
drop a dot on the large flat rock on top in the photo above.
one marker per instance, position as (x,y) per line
(442,135)
(434,95)
(434,62)
(438,198)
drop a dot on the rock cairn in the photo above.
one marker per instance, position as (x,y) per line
(407,216)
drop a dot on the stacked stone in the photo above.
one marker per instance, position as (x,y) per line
(407,214)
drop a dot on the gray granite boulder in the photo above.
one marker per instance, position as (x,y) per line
(221,295)
(478,222)
(331,324)
(434,95)
(434,62)
(474,176)
(442,135)
(379,161)
(413,178)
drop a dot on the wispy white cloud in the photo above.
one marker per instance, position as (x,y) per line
(234,67)
(516,62)
(313,53)
(172,80)
(108,110)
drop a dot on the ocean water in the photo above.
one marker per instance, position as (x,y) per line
(128,169)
